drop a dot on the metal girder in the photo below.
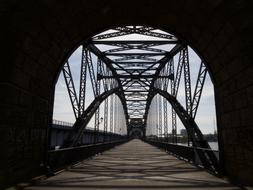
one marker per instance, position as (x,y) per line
(82,88)
(115,114)
(138,66)
(105,60)
(135,54)
(100,55)
(149,68)
(132,57)
(165,116)
(81,122)
(162,62)
(98,83)
(91,72)
(153,49)
(121,31)
(156,118)
(163,80)
(134,63)
(178,74)
(148,50)
(147,31)
(108,63)
(174,125)
(208,158)
(111,35)
(173,113)
(144,42)
(187,80)
(96,124)
(104,71)
(128,46)
(111,114)
(122,68)
(159,99)
(138,76)
(71,88)
(174,90)
(133,91)
(198,89)
(106,116)
(140,71)
(144,47)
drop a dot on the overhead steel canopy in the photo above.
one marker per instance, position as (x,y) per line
(136,63)
(136,54)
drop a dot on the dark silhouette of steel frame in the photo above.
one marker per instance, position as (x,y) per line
(136,77)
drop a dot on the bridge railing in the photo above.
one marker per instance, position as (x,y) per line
(187,153)
(58,159)
(61,124)
(92,143)
(59,133)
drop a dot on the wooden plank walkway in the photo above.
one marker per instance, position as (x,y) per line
(133,165)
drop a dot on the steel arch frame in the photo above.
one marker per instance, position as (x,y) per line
(208,158)
(145,81)
(82,121)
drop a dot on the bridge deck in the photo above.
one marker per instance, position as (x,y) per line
(133,165)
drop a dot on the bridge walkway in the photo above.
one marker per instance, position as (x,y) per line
(133,165)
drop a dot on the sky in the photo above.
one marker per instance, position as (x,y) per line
(205,117)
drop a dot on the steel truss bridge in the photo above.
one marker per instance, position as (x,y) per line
(128,68)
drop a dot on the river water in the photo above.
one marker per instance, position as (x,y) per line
(213,145)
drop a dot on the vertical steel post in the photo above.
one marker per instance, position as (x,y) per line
(82,87)
(105,118)
(160,115)
(187,82)
(115,114)
(111,114)
(97,115)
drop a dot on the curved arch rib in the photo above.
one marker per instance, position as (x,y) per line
(207,158)
(81,122)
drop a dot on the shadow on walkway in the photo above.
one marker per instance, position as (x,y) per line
(133,165)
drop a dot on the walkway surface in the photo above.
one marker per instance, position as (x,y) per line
(133,165)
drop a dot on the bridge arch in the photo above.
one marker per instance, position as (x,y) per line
(35,51)
(81,123)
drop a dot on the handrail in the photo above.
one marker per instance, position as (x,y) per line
(58,159)
(84,146)
(62,123)
(186,153)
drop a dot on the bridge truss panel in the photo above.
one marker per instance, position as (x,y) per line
(135,68)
